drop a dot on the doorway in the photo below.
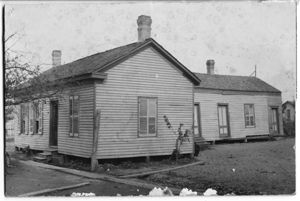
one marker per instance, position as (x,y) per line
(197,124)
(274,123)
(53,123)
(223,119)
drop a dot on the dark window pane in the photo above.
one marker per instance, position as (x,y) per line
(71,126)
(152,125)
(71,105)
(37,126)
(75,124)
(252,121)
(75,105)
(143,125)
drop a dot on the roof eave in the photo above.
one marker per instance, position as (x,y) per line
(275,92)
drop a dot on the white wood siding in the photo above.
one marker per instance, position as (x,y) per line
(145,74)
(81,145)
(35,141)
(77,146)
(209,115)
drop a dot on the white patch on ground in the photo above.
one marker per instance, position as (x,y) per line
(210,192)
(160,192)
(187,192)
(74,194)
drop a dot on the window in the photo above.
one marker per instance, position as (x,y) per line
(23,114)
(147,116)
(36,117)
(197,125)
(74,110)
(249,115)
(288,114)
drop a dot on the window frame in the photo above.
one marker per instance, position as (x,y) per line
(254,121)
(198,119)
(139,135)
(71,116)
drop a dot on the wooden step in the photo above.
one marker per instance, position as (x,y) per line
(39,159)
(45,154)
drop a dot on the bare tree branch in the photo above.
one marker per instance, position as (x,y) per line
(9,37)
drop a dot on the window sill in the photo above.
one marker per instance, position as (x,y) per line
(147,136)
(74,135)
(249,126)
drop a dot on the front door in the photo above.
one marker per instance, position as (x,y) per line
(223,120)
(53,123)
(274,128)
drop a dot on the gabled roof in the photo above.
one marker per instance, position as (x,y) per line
(100,62)
(235,83)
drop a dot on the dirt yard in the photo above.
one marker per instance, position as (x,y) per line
(239,168)
(21,178)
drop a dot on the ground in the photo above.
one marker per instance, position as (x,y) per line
(21,178)
(241,168)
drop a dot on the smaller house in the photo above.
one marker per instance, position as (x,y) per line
(288,114)
(288,111)
(235,107)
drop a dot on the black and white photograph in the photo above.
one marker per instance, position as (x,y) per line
(149,98)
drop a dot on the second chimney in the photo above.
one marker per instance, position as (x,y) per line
(56,58)
(210,65)
(144,27)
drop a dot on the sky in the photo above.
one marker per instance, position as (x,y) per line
(237,35)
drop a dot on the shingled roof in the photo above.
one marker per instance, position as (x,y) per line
(90,63)
(100,62)
(235,83)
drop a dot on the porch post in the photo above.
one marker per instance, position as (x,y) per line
(94,160)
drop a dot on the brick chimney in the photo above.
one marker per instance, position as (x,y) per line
(144,27)
(56,58)
(210,65)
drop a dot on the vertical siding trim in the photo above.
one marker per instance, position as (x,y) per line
(193,102)
(50,123)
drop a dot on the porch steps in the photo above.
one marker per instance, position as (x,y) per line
(40,159)
(46,156)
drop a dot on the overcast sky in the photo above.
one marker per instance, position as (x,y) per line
(237,35)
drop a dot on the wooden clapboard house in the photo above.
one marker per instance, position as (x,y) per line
(236,107)
(133,87)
